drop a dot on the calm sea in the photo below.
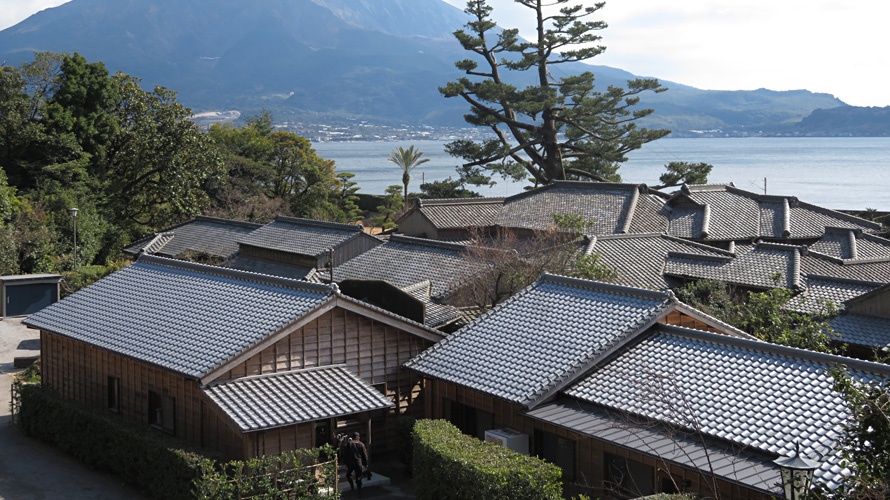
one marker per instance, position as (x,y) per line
(840,173)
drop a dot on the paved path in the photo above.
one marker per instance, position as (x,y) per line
(30,470)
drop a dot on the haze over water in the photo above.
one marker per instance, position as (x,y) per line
(835,172)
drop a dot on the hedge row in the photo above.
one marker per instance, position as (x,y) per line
(155,464)
(451,465)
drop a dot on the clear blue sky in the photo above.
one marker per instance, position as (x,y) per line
(833,46)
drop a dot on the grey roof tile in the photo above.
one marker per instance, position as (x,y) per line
(872,270)
(759,267)
(639,259)
(187,318)
(851,244)
(752,393)
(301,236)
(263,266)
(216,237)
(462,212)
(834,290)
(281,399)
(859,329)
(405,261)
(540,336)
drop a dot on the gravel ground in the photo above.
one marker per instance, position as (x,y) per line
(30,470)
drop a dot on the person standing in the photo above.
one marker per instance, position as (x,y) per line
(356,460)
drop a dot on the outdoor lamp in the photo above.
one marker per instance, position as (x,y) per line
(797,473)
(73,212)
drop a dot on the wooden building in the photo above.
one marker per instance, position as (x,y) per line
(632,392)
(238,363)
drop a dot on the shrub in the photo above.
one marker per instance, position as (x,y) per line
(451,465)
(155,464)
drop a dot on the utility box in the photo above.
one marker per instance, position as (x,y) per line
(508,438)
(26,294)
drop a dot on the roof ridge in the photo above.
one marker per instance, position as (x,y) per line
(557,183)
(228,222)
(851,281)
(218,382)
(698,256)
(768,347)
(225,272)
(558,279)
(412,240)
(479,200)
(771,245)
(851,218)
(698,188)
(318,223)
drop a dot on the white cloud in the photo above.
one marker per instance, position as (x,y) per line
(14,11)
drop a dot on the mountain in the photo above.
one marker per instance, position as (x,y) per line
(380,60)
(846,121)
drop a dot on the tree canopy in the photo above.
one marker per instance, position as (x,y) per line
(556,127)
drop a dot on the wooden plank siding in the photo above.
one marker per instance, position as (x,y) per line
(676,318)
(79,371)
(370,349)
(590,464)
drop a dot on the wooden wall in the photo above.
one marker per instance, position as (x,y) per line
(590,463)
(876,305)
(416,223)
(80,372)
(676,318)
(370,349)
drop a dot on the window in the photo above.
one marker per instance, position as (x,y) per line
(162,411)
(114,393)
(468,419)
(556,450)
(629,477)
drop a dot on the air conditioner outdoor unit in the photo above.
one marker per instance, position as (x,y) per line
(509,438)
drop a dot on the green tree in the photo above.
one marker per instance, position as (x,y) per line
(407,160)
(393,203)
(557,128)
(446,189)
(348,199)
(681,172)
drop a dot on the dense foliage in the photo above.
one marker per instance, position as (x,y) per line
(155,464)
(457,466)
(131,161)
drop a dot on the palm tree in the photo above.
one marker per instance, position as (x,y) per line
(407,159)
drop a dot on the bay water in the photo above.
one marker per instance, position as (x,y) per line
(849,173)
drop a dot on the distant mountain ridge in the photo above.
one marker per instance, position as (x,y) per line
(371,59)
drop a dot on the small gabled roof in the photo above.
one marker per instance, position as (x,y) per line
(766,265)
(281,399)
(738,214)
(608,206)
(303,236)
(755,394)
(458,212)
(875,269)
(187,318)
(405,261)
(209,235)
(863,330)
(270,267)
(538,339)
(639,259)
(830,289)
(851,244)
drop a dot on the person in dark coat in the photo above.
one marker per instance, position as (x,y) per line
(356,458)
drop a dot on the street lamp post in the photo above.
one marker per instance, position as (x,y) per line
(797,473)
(73,212)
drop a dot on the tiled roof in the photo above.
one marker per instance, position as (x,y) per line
(302,236)
(749,467)
(639,259)
(859,329)
(605,205)
(461,212)
(756,394)
(851,244)
(540,337)
(187,318)
(767,265)
(263,266)
(405,261)
(217,237)
(874,270)
(435,314)
(823,288)
(281,399)
(739,214)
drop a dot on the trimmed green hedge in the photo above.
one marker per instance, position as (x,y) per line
(106,443)
(451,465)
(154,463)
